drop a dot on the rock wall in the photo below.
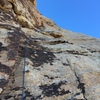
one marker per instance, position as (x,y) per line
(60,64)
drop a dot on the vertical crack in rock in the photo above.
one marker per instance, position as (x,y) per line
(80,84)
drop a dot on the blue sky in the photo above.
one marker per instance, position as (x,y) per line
(76,15)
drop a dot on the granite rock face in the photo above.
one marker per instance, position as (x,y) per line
(59,64)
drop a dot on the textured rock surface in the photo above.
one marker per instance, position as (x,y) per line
(60,64)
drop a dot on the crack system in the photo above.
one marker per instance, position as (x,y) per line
(80,84)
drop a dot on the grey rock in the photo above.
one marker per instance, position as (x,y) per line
(59,64)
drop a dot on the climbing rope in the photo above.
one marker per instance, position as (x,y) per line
(23,78)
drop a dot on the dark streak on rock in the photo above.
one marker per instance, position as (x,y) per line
(51,90)
(93,51)
(16,88)
(3,83)
(49,77)
(76,52)
(5,69)
(27,94)
(81,86)
(65,64)
(37,55)
(8,97)
(2,48)
(15,38)
(11,55)
(58,42)
(0,44)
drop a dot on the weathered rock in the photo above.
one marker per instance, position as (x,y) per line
(59,64)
